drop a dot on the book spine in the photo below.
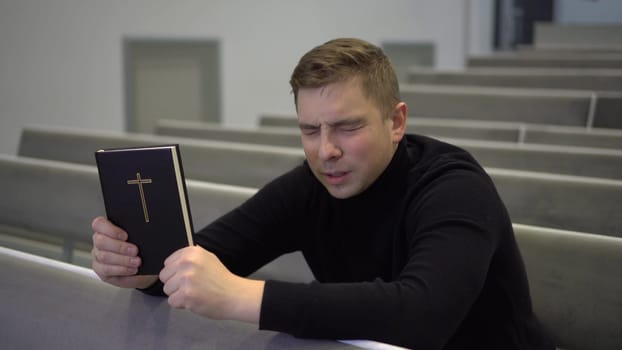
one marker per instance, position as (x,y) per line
(183,196)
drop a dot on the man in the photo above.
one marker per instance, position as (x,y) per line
(407,237)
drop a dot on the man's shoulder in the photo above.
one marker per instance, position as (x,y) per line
(430,154)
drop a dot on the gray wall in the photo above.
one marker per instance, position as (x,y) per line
(61,60)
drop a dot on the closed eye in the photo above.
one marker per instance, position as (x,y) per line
(350,128)
(309,130)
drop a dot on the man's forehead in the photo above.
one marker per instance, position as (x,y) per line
(352,82)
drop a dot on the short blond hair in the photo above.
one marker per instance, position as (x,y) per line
(346,58)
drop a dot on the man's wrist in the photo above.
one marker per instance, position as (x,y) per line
(246,301)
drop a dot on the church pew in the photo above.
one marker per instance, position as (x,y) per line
(48,304)
(283,130)
(522,133)
(561,201)
(517,60)
(213,161)
(524,105)
(37,186)
(568,160)
(487,131)
(286,136)
(571,136)
(62,232)
(549,50)
(604,163)
(21,183)
(53,203)
(573,279)
(595,37)
(576,79)
(575,285)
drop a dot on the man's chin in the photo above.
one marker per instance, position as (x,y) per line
(341,191)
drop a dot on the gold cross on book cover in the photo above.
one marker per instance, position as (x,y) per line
(139,181)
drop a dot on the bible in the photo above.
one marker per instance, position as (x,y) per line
(144,193)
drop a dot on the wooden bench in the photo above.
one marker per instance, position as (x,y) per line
(574,282)
(574,277)
(30,222)
(286,136)
(576,285)
(48,205)
(497,60)
(454,128)
(581,161)
(525,105)
(213,161)
(52,305)
(577,36)
(565,202)
(551,78)
(567,160)
(549,50)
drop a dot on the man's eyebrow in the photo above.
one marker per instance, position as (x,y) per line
(308,126)
(349,121)
(341,122)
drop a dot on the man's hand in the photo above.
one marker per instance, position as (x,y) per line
(196,280)
(115,260)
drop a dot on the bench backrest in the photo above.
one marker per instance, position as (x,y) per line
(610,61)
(525,105)
(574,79)
(273,136)
(574,277)
(577,35)
(605,163)
(469,129)
(565,202)
(561,201)
(574,281)
(60,200)
(576,285)
(213,161)
(568,160)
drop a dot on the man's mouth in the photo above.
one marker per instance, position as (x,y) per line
(336,177)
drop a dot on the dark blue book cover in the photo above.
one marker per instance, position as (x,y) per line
(145,193)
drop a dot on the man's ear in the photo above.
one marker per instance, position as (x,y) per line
(398,118)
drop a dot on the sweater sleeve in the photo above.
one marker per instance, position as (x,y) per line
(255,233)
(452,229)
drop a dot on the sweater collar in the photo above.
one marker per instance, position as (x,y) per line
(390,182)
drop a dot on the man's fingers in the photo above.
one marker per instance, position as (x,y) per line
(104,226)
(105,243)
(107,271)
(112,258)
(170,286)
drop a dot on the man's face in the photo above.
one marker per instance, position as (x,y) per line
(347,142)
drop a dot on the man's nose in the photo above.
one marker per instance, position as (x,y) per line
(329,148)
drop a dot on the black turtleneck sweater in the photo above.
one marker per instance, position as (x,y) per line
(424,258)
